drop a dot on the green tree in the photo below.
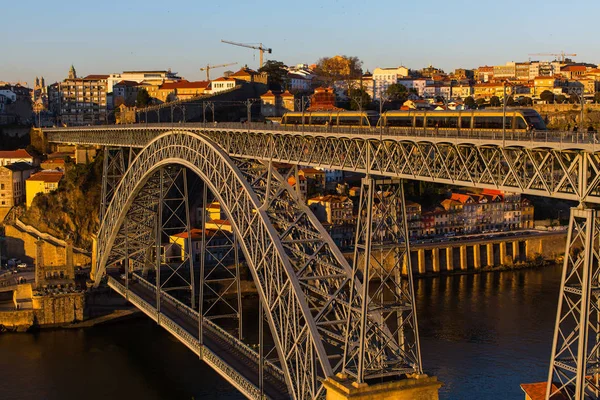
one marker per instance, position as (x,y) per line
(597,97)
(494,101)
(359,99)
(440,99)
(143,98)
(525,101)
(470,103)
(397,92)
(574,99)
(480,102)
(510,102)
(277,72)
(547,96)
(561,98)
(338,68)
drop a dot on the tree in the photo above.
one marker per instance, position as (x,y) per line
(470,103)
(525,101)
(277,72)
(561,98)
(143,98)
(547,96)
(359,99)
(338,68)
(597,97)
(494,101)
(510,102)
(440,99)
(574,99)
(480,102)
(397,92)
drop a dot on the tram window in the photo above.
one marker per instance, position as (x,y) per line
(373,120)
(319,119)
(365,121)
(465,122)
(520,123)
(399,121)
(487,123)
(419,122)
(536,121)
(442,122)
(293,119)
(349,120)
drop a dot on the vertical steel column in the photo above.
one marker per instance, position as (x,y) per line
(202,257)
(382,340)
(238,279)
(190,251)
(261,350)
(575,362)
(158,238)
(113,170)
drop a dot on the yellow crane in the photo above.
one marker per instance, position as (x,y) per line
(260,48)
(562,55)
(209,67)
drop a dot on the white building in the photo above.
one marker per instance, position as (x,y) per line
(8,157)
(384,77)
(298,82)
(221,84)
(151,77)
(9,94)
(418,84)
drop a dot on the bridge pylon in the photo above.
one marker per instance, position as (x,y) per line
(575,362)
(391,347)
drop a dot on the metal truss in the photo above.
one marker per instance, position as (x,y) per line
(302,278)
(174,269)
(113,170)
(219,271)
(574,369)
(538,167)
(390,348)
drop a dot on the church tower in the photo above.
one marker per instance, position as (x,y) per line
(72,73)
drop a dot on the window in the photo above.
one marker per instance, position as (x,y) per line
(490,122)
(465,122)
(399,121)
(1,186)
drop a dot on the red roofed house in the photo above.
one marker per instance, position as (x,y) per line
(181,90)
(12,156)
(125,92)
(275,104)
(222,84)
(249,75)
(42,182)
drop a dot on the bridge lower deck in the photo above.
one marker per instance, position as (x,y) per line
(234,361)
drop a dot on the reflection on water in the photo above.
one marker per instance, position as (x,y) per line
(482,335)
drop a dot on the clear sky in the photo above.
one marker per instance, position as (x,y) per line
(46,37)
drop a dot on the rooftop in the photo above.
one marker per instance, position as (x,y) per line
(47,176)
(19,153)
(19,166)
(183,84)
(537,391)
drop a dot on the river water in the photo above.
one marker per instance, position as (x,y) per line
(481,335)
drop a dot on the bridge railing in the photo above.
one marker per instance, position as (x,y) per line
(425,132)
(228,337)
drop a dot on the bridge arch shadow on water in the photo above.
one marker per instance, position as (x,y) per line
(302,279)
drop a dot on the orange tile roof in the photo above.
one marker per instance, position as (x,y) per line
(47,176)
(183,84)
(95,77)
(19,153)
(537,391)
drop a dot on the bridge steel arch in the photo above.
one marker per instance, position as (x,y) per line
(304,331)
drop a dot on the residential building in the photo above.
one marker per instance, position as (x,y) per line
(218,242)
(461,91)
(181,90)
(418,85)
(42,182)
(384,77)
(13,156)
(125,92)
(335,210)
(8,93)
(490,89)
(222,84)
(298,82)
(12,183)
(3,101)
(155,78)
(485,73)
(302,187)
(315,180)
(508,71)
(413,218)
(249,75)
(527,221)
(522,71)
(83,101)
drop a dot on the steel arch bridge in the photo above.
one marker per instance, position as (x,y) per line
(336,319)
(304,283)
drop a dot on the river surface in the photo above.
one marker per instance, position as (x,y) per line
(481,335)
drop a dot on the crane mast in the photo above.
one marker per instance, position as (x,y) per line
(260,48)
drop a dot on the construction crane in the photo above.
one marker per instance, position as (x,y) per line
(259,48)
(209,67)
(562,55)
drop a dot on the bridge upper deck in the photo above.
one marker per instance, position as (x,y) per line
(139,134)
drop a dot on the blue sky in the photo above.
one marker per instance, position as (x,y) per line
(44,38)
